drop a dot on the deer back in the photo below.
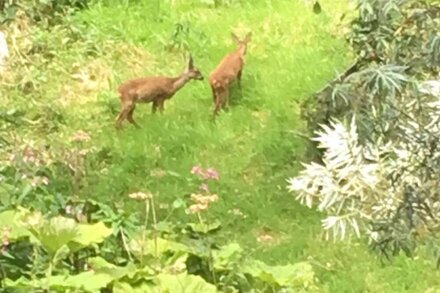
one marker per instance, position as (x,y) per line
(226,72)
(146,89)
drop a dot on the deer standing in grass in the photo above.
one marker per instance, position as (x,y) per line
(229,70)
(154,90)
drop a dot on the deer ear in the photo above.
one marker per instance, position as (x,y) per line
(190,62)
(248,37)
(235,38)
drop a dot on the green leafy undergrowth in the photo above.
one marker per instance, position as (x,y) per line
(91,256)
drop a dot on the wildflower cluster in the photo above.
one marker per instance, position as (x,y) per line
(30,154)
(80,136)
(209,173)
(140,195)
(38,181)
(6,236)
(201,202)
(204,198)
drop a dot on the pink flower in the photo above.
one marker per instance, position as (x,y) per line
(37,181)
(141,195)
(83,152)
(213,198)
(197,197)
(5,238)
(6,233)
(45,181)
(197,170)
(29,155)
(80,136)
(204,200)
(197,208)
(204,187)
(211,173)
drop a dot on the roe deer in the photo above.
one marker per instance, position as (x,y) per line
(229,70)
(154,90)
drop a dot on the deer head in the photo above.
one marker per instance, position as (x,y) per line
(242,44)
(193,72)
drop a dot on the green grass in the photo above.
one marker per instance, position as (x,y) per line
(292,54)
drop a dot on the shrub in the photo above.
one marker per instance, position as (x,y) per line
(378,175)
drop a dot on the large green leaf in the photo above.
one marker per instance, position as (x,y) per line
(53,233)
(89,281)
(5,193)
(205,228)
(183,283)
(9,220)
(176,264)
(144,287)
(56,232)
(86,281)
(118,273)
(159,246)
(100,265)
(299,275)
(227,255)
(21,283)
(90,234)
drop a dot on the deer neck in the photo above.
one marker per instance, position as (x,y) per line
(242,50)
(180,81)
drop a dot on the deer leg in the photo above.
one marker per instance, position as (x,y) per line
(161,105)
(217,102)
(119,119)
(122,115)
(225,98)
(130,117)
(239,79)
(217,108)
(155,105)
(214,95)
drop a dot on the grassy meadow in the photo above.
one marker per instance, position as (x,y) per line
(254,146)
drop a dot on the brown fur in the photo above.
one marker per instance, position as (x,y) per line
(229,70)
(154,90)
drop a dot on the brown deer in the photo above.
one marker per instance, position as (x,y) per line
(229,70)
(154,90)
